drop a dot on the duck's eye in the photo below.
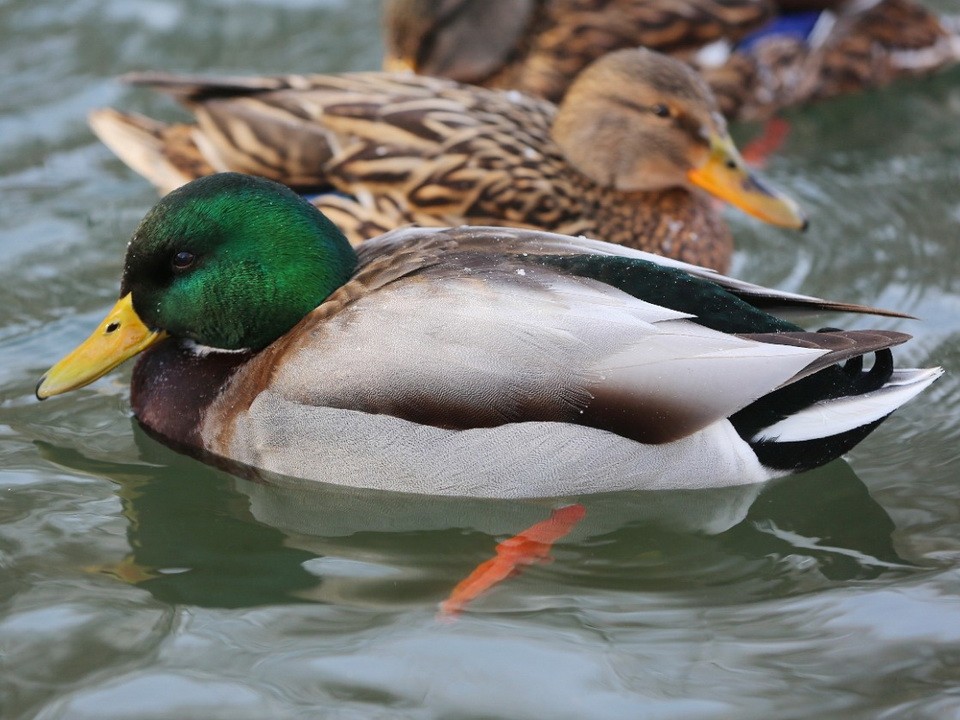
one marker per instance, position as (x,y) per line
(660,110)
(183,259)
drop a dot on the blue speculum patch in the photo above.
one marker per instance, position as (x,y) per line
(798,25)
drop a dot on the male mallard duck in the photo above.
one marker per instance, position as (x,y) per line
(758,55)
(470,361)
(620,158)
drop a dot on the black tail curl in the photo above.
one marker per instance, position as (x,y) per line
(874,379)
(836,381)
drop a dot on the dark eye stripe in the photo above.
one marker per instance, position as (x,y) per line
(629,104)
(683,121)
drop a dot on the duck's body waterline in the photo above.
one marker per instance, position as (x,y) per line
(487,361)
(183,408)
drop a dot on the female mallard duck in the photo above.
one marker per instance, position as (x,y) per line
(470,361)
(620,159)
(758,55)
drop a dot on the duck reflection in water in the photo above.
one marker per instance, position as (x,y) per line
(201,537)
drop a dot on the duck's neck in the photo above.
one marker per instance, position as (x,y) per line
(675,223)
(173,385)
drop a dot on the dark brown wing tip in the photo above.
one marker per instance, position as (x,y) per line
(772,302)
(867,310)
(865,340)
(840,345)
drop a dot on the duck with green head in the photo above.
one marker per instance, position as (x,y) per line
(469,361)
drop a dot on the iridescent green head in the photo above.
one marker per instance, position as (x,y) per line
(233,261)
(229,261)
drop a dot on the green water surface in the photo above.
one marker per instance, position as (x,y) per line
(138,583)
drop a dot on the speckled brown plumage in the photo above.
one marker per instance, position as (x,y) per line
(479,41)
(404,149)
(870,48)
(538,46)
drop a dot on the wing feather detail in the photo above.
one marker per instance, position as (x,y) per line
(538,242)
(481,345)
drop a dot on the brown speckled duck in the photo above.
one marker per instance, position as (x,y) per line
(758,55)
(625,157)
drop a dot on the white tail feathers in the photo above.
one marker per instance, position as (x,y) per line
(839,415)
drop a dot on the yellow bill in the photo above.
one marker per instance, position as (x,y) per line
(726,175)
(119,337)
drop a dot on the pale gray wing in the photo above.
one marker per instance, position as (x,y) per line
(463,346)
